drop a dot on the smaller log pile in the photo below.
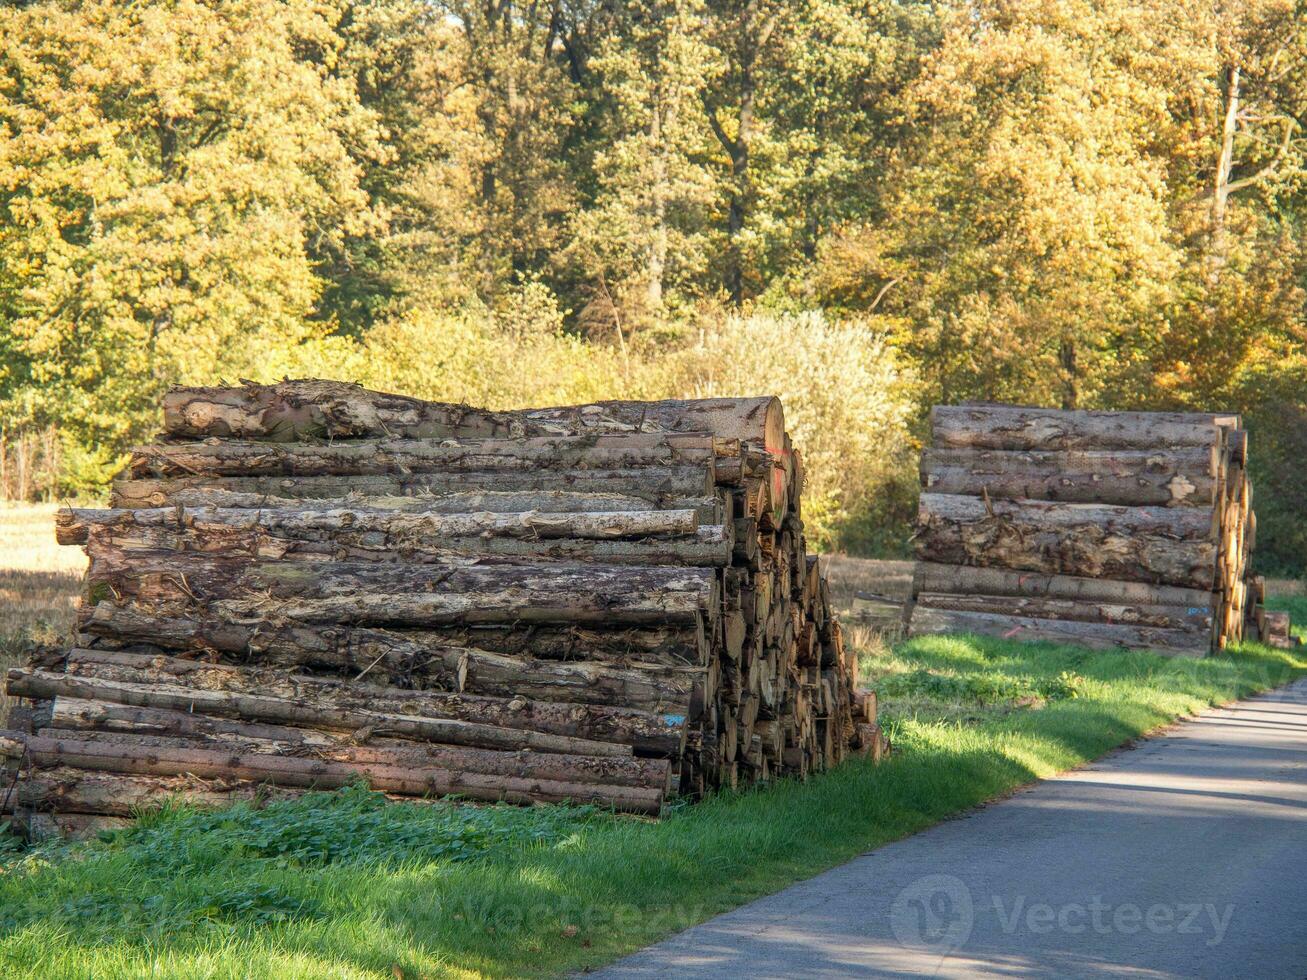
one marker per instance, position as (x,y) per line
(1105,529)
(1271,627)
(305,584)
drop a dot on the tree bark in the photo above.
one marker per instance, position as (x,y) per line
(708,547)
(340,647)
(76,791)
(1015,428)
(106,721)
(1183,477)
(406,456)
(366,593)
(664,486)
(964,579)
(1161,545)
(145,495)
(292,410)
(1193,618)
(380,528)
(1183,643)
(511,724)
(314,774)
(421,660)
(653,732)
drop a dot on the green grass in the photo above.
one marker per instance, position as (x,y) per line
(344,886)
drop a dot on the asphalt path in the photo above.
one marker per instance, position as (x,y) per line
(1184,856)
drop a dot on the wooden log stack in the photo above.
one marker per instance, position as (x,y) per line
(1105,529)
(309,583)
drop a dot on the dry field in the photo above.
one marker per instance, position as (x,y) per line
(39,583)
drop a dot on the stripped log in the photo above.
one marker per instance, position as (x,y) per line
(125,757)
(380,456)
(1017,428)
(1160,544)
(1169,642)
(1183,477)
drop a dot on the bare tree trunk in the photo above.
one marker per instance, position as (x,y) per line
(1225,161)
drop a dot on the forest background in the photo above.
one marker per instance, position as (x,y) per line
(863,206)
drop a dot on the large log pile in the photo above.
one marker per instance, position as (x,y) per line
(304,584)
(1107,529)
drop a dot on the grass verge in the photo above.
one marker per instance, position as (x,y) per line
(343,886)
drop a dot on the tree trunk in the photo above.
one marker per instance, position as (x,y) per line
(380,528)
(707,510)
(963,579)
(1161,545)
(105,721)
(1193,618)
(1011,427)
(708,547)
(125,757)
(339,647)
(420,660)
(407,456)
(76,791)
(1169,642)
(656,732)
(273,696)
(366,593)
(291,410)
(1182,477)
(663,486)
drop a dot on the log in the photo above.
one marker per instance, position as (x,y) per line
(1193,618)
(964,579)
(103,720)
(710,546)
(335,646)
(708,510)
(1165,544)
(378,594)
(316,774)
(652,733)
(1016,428)
(661,486)
(76,791)
(379,528)
(404,456)
(342,712)
(1168,642)
(293,410)
(1183,477)
(417,659)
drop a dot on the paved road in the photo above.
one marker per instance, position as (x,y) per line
(1183,857)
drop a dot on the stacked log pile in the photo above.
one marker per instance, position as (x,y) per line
(305,584)
(1105,529)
